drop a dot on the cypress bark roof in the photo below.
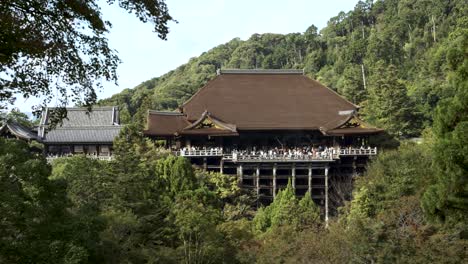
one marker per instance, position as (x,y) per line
(259,100)
(265,101)
(165,123)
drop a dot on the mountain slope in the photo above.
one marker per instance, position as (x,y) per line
(348,55)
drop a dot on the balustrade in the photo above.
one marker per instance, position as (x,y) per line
(330,154)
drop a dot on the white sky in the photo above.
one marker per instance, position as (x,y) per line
(203,24)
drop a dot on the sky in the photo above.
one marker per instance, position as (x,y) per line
(202,25)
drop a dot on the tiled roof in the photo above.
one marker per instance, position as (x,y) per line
(19,131)
(101,125)
(83,135)
(80,117)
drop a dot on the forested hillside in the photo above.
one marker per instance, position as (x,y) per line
(388,56)
(404,61)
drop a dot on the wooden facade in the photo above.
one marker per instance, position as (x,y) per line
(268,127)
(82,132)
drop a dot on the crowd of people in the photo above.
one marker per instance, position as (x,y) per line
(291,153)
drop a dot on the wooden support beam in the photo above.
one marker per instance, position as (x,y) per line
(240,173)
(205,163)
(310,179)
(258,180)
(293,174)
(354,166)
(221,166)
(326,196)
(274,180)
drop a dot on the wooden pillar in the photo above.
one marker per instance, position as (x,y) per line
(240,173)
(293,174)
(354,166)
(258,180)
(310,179)
(274,180)
(326,196)
(221,166)
(205,163)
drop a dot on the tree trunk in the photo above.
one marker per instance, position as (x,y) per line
(363,76)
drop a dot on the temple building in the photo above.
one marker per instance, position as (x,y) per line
(12,129)
(268,127)
(83,132)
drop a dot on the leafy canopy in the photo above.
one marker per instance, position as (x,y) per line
(58,48)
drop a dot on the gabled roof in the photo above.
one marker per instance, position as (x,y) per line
(350,124)
(81,117)
(207,124)
(165,123)
(267,100)
(239,100)
(100,125)
(100,134)
(18,131)
(216,123)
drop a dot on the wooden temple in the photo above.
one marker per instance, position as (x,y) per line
(13,129)
(268,127)
(84,132)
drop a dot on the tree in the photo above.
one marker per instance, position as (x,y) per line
(287,210)
(351,85)
(35,226)
(446,199)
(50,47)
(17,116)
(196,222)
(388,105)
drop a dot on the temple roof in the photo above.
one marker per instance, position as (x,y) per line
(101,125)
(165,123)
(19,131)
(259,100)
(350,124)
(103,134)
(253,101)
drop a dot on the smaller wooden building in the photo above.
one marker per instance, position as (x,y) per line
(12,129)
(82,132)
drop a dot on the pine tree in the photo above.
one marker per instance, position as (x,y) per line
(388,105)
(447,198)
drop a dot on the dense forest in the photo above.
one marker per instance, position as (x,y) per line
(403,61)
(390,57)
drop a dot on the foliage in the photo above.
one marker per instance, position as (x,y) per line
(287,210)
(447,198)
(147,206)
(17,116)
(59,47)
(35,225)
(399,45)
(388,106)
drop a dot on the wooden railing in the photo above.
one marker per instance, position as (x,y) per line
(358,151)
(236,156)
(298,158)
(98,157)
(199,152)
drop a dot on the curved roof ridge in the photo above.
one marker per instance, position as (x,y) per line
(204,87)
(157,112)
(215,120)
(261,71)
(334,92)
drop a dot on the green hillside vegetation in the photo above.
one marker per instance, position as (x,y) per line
(148,206)
(399,47)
